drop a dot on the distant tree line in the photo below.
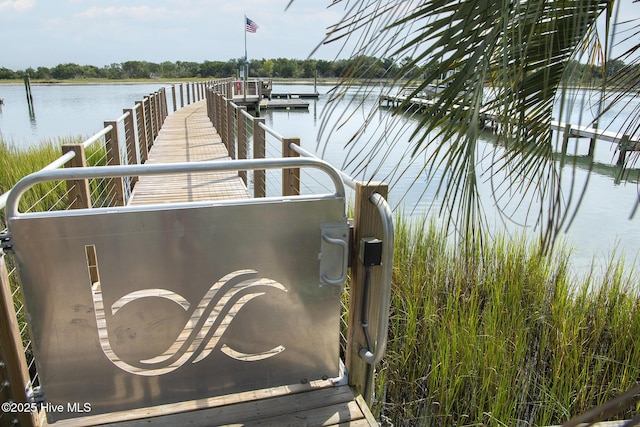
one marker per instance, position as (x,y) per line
(362,67)
(369,67)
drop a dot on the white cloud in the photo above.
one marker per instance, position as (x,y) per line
(18,5)
(139,12)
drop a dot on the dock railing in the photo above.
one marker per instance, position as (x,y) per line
(127,141)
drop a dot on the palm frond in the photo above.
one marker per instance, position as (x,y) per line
(518,49)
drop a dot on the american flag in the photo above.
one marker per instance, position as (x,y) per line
(251,26)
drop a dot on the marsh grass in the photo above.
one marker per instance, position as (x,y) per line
(17,162)
(506,337)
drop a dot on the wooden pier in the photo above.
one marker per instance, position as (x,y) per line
(154,137)
(188,136)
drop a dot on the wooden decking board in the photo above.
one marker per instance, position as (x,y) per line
(314,404)
(188,136)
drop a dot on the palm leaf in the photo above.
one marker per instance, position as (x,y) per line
(521,50)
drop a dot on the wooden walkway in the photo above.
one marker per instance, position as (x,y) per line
(188,136)
(318,403)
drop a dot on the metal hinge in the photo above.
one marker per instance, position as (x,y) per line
(6,245)
(36,395)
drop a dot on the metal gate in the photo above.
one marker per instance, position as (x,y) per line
(136,307)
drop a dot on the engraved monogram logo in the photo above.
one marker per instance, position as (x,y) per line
(202,331)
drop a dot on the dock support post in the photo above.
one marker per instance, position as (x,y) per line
(367,223)
(259,149)
(164,109)
(79,195)
(27,87)
(290,177)
(173,97)
(142,132)
(148,116)
(130,142)
(153,102)
(181,96)
(14,373)
(242,139)
(223,130)
(231,139)
(210,107)
(622,147)
(113,158)
(565,144)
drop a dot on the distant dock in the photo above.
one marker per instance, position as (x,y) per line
(284,104)
(309,95)
(490,120)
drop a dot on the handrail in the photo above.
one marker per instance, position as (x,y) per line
(122,117)
(162,169)
(270,131)
(387,270)
(97,136)
(347,179)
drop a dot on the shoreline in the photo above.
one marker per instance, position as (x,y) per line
(275,80)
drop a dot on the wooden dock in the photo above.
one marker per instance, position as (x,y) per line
(188,136)
(491,120)
(318,403)
(284,104)
(153,136)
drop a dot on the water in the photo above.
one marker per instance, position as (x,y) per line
(602,225)
(63,110)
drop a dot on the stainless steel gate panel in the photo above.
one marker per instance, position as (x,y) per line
(132,309)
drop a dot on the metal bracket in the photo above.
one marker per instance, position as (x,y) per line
(342,378)
(6,244)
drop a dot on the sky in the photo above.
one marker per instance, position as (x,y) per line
(103,32)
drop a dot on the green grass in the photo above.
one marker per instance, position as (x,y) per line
(504,338)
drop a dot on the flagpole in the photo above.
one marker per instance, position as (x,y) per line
(246,70)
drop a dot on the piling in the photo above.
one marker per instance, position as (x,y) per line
(27,87)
